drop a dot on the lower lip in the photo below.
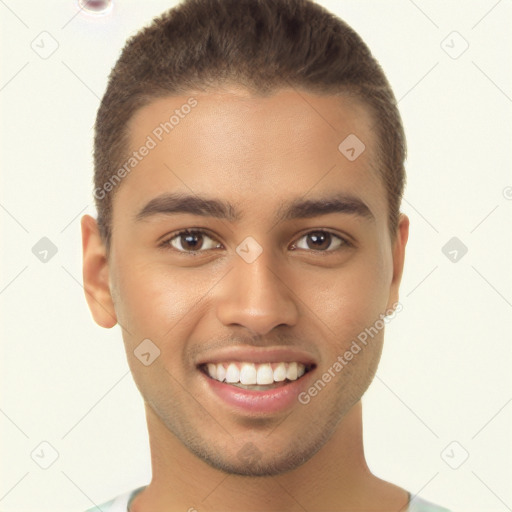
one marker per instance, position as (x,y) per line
(250,401)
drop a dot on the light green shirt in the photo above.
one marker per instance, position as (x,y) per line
(122,502)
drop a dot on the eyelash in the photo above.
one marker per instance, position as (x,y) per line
(165,244)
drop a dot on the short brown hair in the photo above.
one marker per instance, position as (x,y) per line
(262,45)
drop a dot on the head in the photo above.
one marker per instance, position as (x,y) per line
(279,126)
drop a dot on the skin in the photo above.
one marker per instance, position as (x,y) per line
(257,153)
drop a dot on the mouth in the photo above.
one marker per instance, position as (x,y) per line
(256,376)
(256,383)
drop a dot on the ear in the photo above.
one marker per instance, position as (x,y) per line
(402,236)
(96,274)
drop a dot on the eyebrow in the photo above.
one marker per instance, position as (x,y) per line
(174,203)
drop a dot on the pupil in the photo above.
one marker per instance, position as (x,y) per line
(320,237)
(191,239)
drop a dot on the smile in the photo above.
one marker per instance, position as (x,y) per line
(252,376)
(256,381)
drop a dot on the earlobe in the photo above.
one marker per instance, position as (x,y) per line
(96,274)
(402,236)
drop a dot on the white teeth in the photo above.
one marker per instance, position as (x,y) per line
(291,373)
(248,374)
(280,372)
(221,372)
(233,373)
(265,375)
(212,370)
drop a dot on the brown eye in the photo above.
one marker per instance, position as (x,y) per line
(192,241)
(321,241)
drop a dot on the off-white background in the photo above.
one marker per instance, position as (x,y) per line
(445,372)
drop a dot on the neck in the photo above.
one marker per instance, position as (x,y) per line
(335,478)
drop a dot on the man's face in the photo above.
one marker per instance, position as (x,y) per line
(255,286)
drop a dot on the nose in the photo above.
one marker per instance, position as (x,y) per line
(256,296)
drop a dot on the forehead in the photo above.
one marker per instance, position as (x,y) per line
(251,150)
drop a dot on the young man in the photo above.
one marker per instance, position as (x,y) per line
(249,168)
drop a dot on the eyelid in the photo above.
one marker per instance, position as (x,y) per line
(345,242)
(165,244)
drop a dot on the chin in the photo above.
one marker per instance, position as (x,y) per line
(252,461)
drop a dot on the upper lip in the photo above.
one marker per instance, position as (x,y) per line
(258,355)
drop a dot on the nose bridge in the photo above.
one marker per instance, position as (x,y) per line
(255,295)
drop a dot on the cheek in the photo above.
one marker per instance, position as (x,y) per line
(156,300)
(349,299)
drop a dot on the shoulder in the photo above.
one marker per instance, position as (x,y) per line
(118,504)
(418,504)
